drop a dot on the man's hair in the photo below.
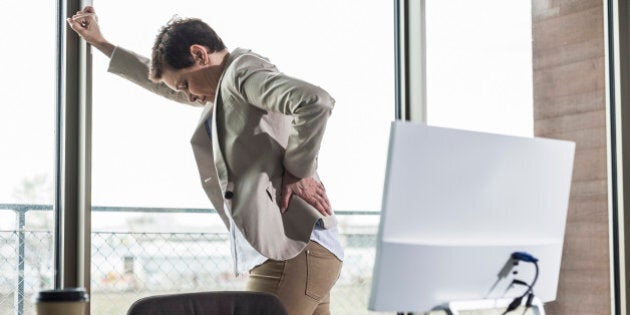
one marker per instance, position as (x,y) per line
(172,45)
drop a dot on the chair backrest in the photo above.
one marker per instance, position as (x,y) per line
(209,303)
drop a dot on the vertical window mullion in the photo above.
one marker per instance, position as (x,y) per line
(72,169)
(410,54)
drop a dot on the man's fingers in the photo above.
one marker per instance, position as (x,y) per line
(327,205)
(312,191)
(321,193)
(321,207)
(80,21)
(76,26)
(320,204)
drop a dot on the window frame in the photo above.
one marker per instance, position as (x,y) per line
(71,205)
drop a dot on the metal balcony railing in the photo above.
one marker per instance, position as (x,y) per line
(128,265)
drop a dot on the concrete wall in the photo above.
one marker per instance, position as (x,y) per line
(569,103)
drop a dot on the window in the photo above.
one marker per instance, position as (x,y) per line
(27,135)
(479,65)
(143,164)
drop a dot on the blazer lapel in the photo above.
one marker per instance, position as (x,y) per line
(203,148)
(219,161)
(208,155)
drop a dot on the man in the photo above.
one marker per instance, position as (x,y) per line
(256,148)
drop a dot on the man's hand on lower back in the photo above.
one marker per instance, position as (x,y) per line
(309,189)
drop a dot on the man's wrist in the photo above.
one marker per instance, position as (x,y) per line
(105,47)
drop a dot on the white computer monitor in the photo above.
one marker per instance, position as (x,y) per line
(456,204)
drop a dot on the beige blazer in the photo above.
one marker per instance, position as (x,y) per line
(262,122)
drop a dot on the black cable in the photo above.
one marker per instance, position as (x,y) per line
(514,305)
(528,303)
(531,288)
(530,291)
(530,296)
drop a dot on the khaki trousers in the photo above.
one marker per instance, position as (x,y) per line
(302,283)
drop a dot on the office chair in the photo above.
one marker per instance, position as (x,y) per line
(209,303)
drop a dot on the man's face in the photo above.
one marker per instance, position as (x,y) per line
(194,81)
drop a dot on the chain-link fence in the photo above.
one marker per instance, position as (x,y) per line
(25,267)
(126,266)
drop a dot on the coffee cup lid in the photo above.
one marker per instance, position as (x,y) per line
(62,295)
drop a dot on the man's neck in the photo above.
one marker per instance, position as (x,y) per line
(219,58)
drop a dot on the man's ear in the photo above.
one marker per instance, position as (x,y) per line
(199,54)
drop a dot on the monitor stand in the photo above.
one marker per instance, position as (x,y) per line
(456,307)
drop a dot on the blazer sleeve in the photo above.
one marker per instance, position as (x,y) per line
(310,106)
(135,68)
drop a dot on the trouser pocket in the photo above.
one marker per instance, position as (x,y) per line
(322,271)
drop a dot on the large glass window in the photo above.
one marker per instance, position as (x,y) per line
(27,126)
(143,163)
(479,65)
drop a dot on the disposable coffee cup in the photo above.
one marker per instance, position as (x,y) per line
(71,301)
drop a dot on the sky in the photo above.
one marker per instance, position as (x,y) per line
(478,72)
